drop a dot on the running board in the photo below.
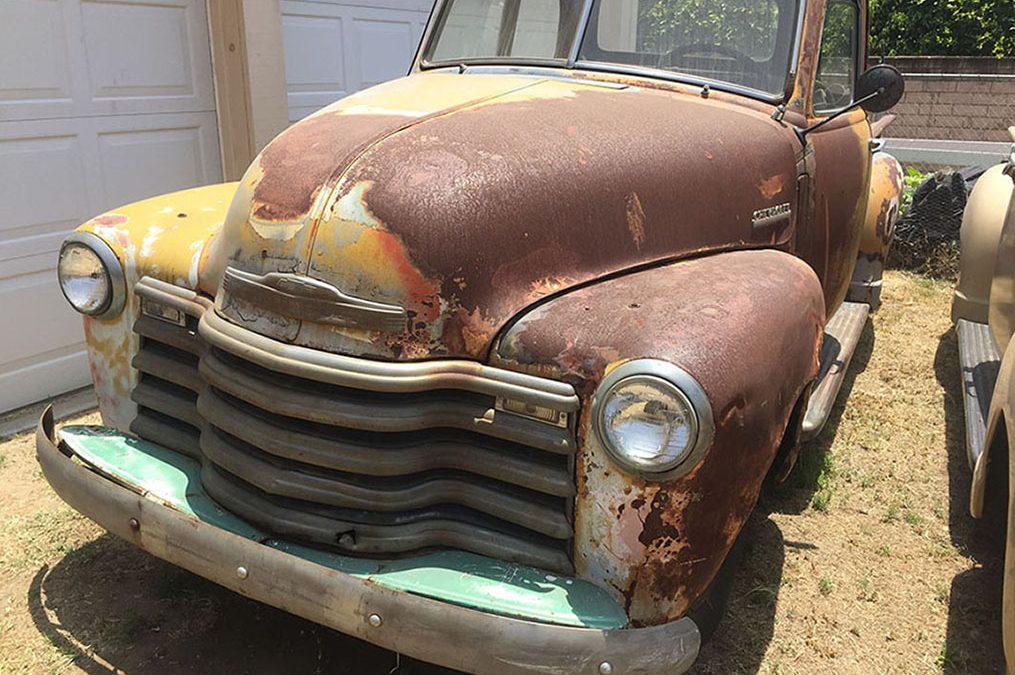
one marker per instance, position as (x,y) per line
(842,334)
(980,361)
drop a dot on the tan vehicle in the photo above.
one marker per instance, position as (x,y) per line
(983,310)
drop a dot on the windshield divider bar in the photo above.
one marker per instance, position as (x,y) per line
(579,35)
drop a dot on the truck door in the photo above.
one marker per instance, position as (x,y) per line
(841,150)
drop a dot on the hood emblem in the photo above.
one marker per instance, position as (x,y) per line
(307,299)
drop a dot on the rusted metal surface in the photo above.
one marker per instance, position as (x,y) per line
(370,458)
(883,202)
(344,594)
(657,545)
(619,217)
(468,212)
(839,188)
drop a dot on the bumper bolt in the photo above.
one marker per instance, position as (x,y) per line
(606,668)
(375,620)
(241,572)
(134,524)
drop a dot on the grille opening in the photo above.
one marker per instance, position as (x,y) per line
(393,440)
(167,388)
(373,474)
(450,397)
(345,517)
(184,358)
(382,483)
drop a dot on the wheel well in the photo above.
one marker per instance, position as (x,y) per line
(789,448)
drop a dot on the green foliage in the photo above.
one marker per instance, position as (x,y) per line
(912,181)
(942,27)
(748,25)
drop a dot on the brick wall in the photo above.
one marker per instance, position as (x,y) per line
(957,99)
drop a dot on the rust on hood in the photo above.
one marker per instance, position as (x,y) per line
(658,545)
(466,211)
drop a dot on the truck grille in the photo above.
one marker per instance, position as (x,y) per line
(369,458)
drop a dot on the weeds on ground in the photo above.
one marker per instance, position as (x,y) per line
(826,476)
(825,585)
(867,591)
(950,658)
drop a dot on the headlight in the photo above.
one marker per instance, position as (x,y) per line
(653,417)
(91,277)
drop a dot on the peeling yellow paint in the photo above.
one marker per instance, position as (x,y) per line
(163,237)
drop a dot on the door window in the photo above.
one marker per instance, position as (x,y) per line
(836,77)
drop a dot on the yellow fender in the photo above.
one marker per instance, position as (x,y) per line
(883,202)
(165,237)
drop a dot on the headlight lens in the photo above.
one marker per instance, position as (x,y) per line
(84,279)
(90,276)
(655,421)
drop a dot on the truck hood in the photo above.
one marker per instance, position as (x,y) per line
(415,219)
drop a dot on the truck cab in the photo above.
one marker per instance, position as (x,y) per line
(488,364)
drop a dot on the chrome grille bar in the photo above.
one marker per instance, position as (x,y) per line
(367,457)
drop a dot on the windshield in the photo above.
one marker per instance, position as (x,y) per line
(748,43)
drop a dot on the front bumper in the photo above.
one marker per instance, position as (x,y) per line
(430,629)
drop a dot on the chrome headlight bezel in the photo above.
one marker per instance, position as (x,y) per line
(681,384)
(116,280)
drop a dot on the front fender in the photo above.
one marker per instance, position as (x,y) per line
(747,325)
(163,237)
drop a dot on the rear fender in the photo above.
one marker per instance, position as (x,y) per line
(747,326)
(883,202)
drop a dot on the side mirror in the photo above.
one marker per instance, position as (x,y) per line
(879,88)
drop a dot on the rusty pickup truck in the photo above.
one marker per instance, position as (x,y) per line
(488,364)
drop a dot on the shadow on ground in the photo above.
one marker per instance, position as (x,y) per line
(974,602)
(119,609)
(748,625)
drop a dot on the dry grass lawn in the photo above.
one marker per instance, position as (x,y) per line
(865,561)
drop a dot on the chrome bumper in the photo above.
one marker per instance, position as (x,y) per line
(420,627)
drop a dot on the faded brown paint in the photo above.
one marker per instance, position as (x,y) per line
(465,218)
(840,185)
(471,198)
(883,204)
(658,545)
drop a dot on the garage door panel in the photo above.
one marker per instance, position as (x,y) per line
(385,48)
(314,60)
(40,39)
(104,57)
(43,184)
(152,158)
(138,50)
(333,49)
(101,103)
(29,331)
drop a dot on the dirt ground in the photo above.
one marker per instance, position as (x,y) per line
(865,561)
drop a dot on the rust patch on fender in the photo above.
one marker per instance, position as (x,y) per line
(658,544)
(635,219)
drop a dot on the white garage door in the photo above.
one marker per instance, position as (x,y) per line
(336,47)
(101,103)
